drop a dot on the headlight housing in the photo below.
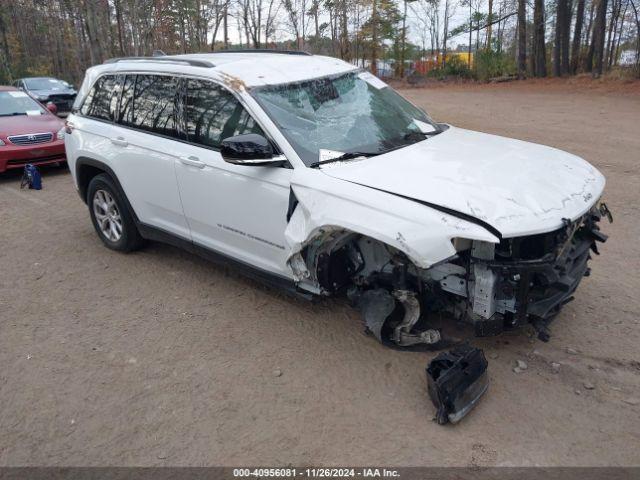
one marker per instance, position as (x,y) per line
(2,143)
(461,244)
(60,134)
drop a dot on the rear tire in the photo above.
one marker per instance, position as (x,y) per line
(110,215)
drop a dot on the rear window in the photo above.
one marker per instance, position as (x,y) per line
(18,103)
(102,100)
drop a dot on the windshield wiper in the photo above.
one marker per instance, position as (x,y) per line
(12,114)
(417,133)
(344,156)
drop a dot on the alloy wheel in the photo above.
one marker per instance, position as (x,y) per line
(107,215)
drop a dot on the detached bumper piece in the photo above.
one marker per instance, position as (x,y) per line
(456,380)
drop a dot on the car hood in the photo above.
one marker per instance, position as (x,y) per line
(24,124)
(50,92)
(519,188)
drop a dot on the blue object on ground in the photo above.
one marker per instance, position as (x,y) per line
(31,177)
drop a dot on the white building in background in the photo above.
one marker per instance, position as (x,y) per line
(628,58)
(385,69)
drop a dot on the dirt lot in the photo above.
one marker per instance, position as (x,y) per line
(159,358)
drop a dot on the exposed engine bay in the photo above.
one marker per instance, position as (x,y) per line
(493,287)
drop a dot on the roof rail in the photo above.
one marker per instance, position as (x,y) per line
(167,59)
(264,50)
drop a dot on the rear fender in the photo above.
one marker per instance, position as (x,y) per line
(97,167)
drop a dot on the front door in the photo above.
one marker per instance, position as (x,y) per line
(239,211)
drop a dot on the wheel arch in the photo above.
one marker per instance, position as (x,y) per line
(331,242)
(87,168)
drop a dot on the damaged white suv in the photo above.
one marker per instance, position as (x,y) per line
(317,176)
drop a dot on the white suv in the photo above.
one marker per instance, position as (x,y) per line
(317,176)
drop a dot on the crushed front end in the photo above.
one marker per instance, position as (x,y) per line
(492,286)
(523,279)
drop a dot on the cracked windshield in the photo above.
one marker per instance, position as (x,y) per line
(352,113)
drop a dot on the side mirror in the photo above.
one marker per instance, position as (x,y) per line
(249,149)
(52,108)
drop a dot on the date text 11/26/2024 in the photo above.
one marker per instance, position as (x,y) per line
(372,472)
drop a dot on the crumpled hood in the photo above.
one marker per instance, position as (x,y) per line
(517,187)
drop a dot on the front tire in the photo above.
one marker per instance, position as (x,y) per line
(110,215)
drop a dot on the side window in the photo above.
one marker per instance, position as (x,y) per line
(125,115)
(156,104)
(213,114)
(102,100)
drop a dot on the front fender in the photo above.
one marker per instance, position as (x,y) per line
(423,234)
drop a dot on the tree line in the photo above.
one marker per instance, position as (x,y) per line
(524,37)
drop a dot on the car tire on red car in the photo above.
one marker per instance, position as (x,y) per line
(111,216)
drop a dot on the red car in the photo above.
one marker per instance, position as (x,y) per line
(29,132)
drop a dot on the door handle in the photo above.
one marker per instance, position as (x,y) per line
(192,161)
(120,141)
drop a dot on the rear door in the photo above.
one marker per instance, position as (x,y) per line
(147,144)
(237,210)
(93,123)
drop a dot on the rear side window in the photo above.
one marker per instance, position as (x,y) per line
(102,100)
(156,105)
(125,115)
(213,114)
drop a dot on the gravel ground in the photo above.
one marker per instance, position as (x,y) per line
(159,358)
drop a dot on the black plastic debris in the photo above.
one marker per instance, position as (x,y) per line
(376,306)
(456,380)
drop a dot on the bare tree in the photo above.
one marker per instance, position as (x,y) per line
(343,7)
(522,38)
(374,36)
(635,9)
(91,20)
(561,46)
(539,53)
(577,37)
(403,41)
(5,53)
(427,19)
(216,15)
(595,57)
(449,12)
(296,12)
